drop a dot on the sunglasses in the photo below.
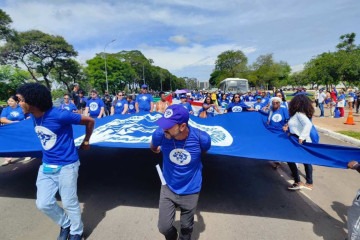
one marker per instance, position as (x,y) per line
(236,97)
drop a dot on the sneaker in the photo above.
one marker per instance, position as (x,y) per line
(64,233)
(296,186)
(308,186)
(75,237)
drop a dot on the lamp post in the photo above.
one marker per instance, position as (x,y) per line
(143,74)
(106,78)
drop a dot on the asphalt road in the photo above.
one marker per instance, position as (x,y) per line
(240,199)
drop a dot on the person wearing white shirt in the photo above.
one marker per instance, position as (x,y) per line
(299,125)
(321,99)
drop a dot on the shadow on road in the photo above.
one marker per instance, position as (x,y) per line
(116,177)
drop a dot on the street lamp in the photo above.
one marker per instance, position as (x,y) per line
(107,84)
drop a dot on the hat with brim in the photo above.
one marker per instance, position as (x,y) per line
(174,114)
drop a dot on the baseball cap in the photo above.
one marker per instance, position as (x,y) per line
(258,97)
(144,86)
(174,114)
(183,95)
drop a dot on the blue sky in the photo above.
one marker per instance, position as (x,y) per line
(186,36)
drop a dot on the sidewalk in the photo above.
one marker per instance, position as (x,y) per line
(330,126)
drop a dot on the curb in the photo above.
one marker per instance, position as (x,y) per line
(339,136)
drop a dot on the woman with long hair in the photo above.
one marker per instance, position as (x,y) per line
(209,107)
(299,125)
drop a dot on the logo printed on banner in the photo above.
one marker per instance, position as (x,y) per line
(180,156)
(276,117)
(93,106)
(139,128)
(47,137)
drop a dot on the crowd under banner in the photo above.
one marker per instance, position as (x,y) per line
(243,135)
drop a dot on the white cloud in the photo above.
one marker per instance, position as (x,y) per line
(179,39)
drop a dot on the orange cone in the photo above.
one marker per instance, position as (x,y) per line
(350,118)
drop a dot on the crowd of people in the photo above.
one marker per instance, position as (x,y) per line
(181,144)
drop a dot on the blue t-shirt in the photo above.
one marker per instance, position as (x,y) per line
(54,129)
(265,101)
(237,107)
(13,114)
(95,106)
(187,106)
(278,118)
(258,105)
(70,107)
(131,107)
(119,106)
(210,112)
(182,165)
(144,100)
(223,103)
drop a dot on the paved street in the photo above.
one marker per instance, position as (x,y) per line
(241,199)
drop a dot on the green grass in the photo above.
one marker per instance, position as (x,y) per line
(351,134)
(2,103)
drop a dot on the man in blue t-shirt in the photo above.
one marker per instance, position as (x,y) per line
(144,101)
(60,162)
(182,146)
(94,106)
(67,104)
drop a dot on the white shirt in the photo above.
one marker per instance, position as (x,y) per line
(322,97)
(300,125)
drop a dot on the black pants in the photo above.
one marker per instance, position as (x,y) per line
(168,203)
(295,172)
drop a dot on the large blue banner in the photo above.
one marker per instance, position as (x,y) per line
(234,134)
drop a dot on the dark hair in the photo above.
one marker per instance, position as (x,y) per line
(282,95)
(301,103)
(129,97)
(66,94)
(36,95)
(15,98)
(233,98)
(161,93)
(211,101)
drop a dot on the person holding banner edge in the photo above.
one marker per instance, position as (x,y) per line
(60,161)
(182,147)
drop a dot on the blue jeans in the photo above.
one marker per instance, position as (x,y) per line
(321,106)
(64,181)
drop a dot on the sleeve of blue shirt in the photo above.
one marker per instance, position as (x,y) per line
(157,137)
(205,141)
(4,112)
(68,117)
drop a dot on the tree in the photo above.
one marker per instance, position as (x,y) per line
(5,21)
(228,64)
(347,43)
(10,79)
(67,72)
(38,52)
(266,73)
(119,73)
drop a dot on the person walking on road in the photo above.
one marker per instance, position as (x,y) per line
(321,100)
(299,125)
(60,162)
(182,147)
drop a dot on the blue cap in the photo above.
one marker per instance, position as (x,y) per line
(174,114)
(144,86)
(183,95)
(258,97)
